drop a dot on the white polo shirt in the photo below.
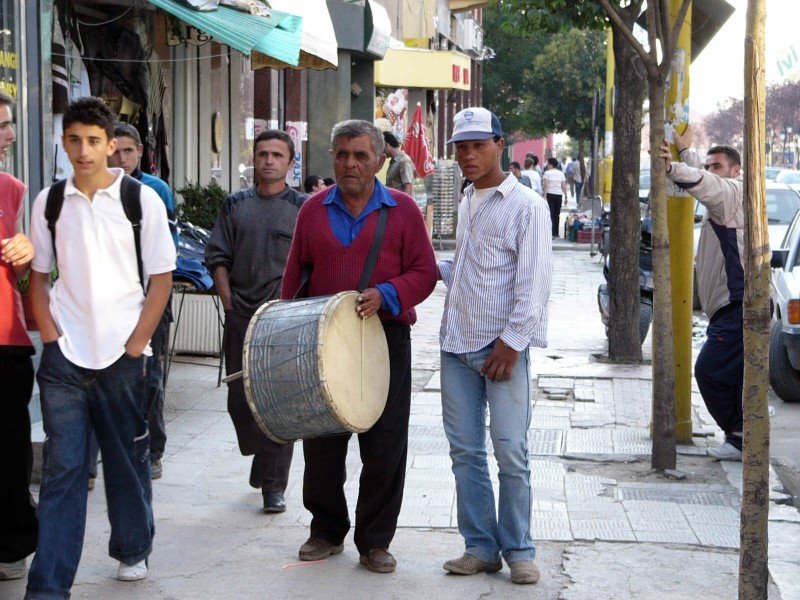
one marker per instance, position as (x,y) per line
(97,299)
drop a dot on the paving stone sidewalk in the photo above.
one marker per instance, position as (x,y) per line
(606,527)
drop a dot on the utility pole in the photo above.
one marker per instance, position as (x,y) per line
(680,224)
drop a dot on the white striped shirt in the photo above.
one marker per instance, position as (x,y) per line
(499,279)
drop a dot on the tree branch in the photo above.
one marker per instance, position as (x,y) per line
(623,28)
(664,15)
(676,27)
(657,12)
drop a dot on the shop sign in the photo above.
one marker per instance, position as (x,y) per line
(181,33)
(9,58)
(298,131)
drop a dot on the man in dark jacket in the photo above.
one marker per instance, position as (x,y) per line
(246,256)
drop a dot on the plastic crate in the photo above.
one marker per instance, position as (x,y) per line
(584,236)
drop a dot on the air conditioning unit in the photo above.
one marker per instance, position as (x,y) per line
(471,38)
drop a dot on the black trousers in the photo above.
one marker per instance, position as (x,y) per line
(18,525)
(155,387)
(383,456)
(273,459)
(554,201)
(719,370)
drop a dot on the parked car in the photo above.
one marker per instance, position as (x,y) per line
(644,185)
(788,176)
(784,338)
(773,172)
(783,202)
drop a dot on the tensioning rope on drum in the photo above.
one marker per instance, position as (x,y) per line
(363,324)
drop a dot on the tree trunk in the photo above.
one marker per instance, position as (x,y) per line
(623,280)
(664,454)
(753,573)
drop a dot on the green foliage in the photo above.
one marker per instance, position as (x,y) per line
(24,284)
(545,82)
(535,17)
(201,204)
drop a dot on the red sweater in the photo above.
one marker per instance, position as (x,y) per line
(12,320)
(406,258)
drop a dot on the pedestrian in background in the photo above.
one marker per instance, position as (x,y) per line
(719,369)
(127,156)
(18,524)
(517,172)
(555,189)
(313,184)
(400,175)
(535,177)
(498,286)
(246,256)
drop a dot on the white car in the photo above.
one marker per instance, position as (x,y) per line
(788,176)
(783,202)
(784,339)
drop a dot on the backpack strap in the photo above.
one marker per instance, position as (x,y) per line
(130,194)
(52,209)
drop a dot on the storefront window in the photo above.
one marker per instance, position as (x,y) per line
(246,126)
(219,108)
(9,67)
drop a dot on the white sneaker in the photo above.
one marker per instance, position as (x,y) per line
(13,570)
(132,572)
(725,452)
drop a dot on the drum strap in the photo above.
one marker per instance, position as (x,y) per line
(377,241)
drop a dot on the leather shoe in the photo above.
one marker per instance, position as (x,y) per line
(255,472)
(378,560)
(316,549)
(274,502)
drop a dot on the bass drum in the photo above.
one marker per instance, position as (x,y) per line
(313,367)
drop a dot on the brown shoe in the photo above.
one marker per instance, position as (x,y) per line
(468,564)
(317,549)
(378,560)
(524,571)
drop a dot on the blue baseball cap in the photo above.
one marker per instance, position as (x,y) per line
(475,123)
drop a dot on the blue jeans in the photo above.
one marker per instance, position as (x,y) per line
(74,401)
(465,395)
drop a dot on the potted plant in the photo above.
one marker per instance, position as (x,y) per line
(201,203)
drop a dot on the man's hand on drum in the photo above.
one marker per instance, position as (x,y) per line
(500,362)
(369,302)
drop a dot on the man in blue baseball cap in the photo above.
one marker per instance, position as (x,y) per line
(496,307)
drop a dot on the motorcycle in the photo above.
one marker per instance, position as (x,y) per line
(645,287)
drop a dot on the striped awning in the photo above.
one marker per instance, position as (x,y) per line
(277,35)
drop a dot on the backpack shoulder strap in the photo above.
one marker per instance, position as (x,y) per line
(52,210)
(130,194)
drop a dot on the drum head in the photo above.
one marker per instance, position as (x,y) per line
(354,364)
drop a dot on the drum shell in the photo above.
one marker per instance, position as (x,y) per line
(285,382)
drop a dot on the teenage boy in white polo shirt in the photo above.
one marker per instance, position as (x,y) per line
(95,323)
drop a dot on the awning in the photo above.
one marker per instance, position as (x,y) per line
(277,35)
(318,47)
(427,69)
(377,29)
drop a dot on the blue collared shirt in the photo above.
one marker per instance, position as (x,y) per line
(346,228)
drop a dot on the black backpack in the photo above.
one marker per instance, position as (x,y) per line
(130,190)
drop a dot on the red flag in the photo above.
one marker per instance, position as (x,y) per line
(415,145)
